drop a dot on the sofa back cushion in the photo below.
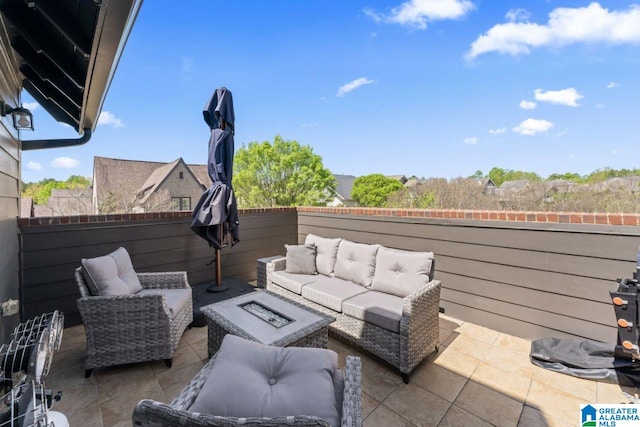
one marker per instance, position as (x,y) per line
(326,252)
(301,259)
(112,274)
(401,273)
(356,262)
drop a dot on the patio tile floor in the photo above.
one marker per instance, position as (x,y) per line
(479,377)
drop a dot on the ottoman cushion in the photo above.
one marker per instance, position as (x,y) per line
(250,379)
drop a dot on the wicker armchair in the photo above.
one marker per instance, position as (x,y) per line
(133,328)
(149,413)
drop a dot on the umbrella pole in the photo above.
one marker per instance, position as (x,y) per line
(217,286)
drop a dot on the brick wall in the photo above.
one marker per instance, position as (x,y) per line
(78,219)
(553,217)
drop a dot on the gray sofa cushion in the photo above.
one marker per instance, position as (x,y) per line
(356,262)
(177,299)
(249,379)
(301,259)
(112,274)
(378,308)
(401,272)
(293,282)
(331,292)
(326,252)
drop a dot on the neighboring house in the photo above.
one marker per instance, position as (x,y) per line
(139,186)
(414,182)
(510,187)
(401,178)
(342,194)
(488,186)
(66,202)
(625,183)
(26,207)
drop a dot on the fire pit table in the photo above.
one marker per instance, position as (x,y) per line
(267,318)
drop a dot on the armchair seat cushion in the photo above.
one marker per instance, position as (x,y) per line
(331,292)
(177,299)
(378,308)
(112,274)
(250,379)
(291,281)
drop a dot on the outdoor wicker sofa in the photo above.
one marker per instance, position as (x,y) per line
(385,300)
(135,326)
(345,398)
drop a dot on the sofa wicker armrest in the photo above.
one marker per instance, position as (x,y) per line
(279,264)
(164,280)
(419,325)
(352,396)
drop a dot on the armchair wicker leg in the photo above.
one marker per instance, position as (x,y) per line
(87,373)
(168,362)
(405,378)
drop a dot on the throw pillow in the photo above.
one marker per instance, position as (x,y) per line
(111,274)
(327,250)
(249,379)
(401,273)
(356,262)
(301,259)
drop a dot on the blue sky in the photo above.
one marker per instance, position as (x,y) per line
(433,88)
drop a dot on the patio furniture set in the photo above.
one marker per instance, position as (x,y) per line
(269,339)
(385,300)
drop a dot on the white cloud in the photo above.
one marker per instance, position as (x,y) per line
(186,64)
(611,85)
(590,24)
(108,118)
(377,17)
(64,163)
(498,131)
(527,105)
(31,106)
(416,13)
(346,88)
(308,125)
(614,152)
(472,140)
(518,15)
(532,127)
(569,96)
(34,166)
(600,105)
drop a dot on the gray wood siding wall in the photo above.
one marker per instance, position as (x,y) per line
(9,211)
(527,279)
(51,253)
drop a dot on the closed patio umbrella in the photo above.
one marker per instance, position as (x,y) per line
(215,217)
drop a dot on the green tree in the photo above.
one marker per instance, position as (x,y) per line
(41,191)
(478,174)
(569,176)
(282,173)
(373,190)
(499,175)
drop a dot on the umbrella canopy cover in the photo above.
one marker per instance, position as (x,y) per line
(217,206)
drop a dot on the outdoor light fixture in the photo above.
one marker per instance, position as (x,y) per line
(22,118)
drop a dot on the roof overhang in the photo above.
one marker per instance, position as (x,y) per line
(65,52)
